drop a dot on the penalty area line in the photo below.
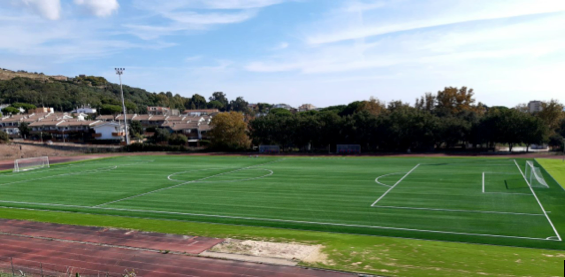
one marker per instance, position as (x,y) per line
(280,220)
(537,199)
(393,186)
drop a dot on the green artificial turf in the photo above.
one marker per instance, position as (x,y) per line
(428,198)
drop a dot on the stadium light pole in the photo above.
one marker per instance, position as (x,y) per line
(120,71)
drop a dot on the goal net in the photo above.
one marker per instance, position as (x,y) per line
(269,149)
(534,176)
(31,163)
(348,149)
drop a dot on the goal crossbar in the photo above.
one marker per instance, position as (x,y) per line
(31,163)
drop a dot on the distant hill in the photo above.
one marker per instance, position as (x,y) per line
(6,74)
(65,94)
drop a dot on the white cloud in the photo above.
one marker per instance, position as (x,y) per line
(50,9)
(281,46)
(207,4)
(532,39)
(199,19)
(101,8)
(431,13)
(182,16)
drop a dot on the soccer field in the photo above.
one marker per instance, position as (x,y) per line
(481,200)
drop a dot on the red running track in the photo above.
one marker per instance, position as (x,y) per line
(153,241)
(54,256)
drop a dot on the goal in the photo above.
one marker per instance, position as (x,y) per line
(269,149)
(534,176)
(31,163)
(348,149)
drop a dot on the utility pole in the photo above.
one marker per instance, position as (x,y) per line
(120,71)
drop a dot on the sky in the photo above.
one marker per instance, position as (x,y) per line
(322,52)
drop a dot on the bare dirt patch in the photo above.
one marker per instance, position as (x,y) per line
(288,251)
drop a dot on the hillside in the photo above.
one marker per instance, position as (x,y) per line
(6,74)
(64,94)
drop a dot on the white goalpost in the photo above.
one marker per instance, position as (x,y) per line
(31,163)
(269,149)
(348,149)
(534,176)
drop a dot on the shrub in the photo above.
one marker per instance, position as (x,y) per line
(4,137)
(178,139)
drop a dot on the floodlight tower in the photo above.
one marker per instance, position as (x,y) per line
(120,71)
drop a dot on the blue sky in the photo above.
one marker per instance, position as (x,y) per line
(323,52)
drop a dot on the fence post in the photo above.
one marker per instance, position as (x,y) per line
(12,265)
(41,266)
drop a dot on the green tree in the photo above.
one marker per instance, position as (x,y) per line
(136,128)
(178,139)
(24,106)
(4,138)
(24,129)
(10,110)
(551,114)
(229,131)
(240,105)
(161,135)
(280,112)
(110,109)
(220,97)
(215,105)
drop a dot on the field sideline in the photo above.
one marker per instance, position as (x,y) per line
(429,198)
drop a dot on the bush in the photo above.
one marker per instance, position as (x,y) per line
(161,135)
(4,138)
(178,139)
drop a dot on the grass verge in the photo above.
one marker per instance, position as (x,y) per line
(357,253)
(556,168)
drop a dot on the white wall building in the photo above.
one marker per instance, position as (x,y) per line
(109,131)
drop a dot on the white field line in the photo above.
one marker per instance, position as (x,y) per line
(537,199)
(225,181)
(483,182)
(459,211)
(535,159)
(102,169)
(377,179)
(519,193)
(398,182)
(282,220)
(181,184)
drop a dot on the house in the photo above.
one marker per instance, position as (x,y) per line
(85,110)
(106,118)
(306,107)
(201,112)
(283,106)
(158,110)
(63,129)
(195,131)
(41,110)
(109,131)
(10,124)
(129,117)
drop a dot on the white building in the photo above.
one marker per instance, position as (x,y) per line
(85,110)
(109,131)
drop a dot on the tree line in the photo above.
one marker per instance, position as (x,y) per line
(449,119)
